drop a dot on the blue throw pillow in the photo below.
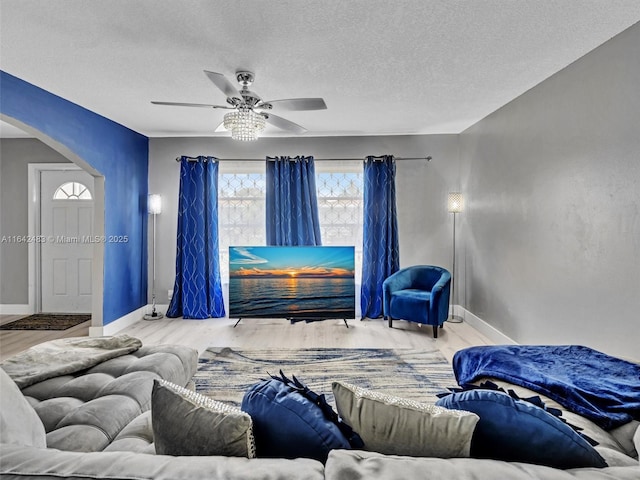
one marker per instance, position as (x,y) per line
(517,431)
(291,421)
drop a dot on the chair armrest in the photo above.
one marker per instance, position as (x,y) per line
(439,304)
(386,299)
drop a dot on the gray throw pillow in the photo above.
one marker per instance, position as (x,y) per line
(19,422)
(397,426)
(188,423)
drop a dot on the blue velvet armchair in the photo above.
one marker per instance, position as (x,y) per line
(418,294)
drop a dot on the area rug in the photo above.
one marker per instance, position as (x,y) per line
(46,321)
(225,374)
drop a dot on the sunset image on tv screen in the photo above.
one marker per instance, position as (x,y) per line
(292,282)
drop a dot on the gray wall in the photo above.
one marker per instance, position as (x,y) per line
(15,155)
(549,241)
(552,228)
(424,224)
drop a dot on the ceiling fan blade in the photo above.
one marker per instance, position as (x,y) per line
(220,128)
(222,83)
(284,124)
(200,105)
(296,104)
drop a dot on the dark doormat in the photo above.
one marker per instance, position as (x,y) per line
(46,321)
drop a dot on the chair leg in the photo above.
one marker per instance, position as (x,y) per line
(390,321)
(435,331)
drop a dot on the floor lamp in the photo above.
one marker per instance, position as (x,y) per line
(454,205)
(154,207)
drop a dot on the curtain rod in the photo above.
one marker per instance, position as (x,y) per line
(427,158)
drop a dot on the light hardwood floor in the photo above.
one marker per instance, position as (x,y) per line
(268,333)
(15,341)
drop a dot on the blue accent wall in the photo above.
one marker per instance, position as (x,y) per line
(122,157)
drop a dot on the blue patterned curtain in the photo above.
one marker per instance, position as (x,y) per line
(292,202)
(197,292)
(380,253)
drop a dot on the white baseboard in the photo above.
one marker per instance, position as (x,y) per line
(126,321)
(16,309)
(120,323)
(483,327)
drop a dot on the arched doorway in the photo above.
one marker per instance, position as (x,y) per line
(97,228)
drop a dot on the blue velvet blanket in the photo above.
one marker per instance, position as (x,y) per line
(592,384)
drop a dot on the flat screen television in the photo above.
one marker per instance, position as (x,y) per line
(303,283)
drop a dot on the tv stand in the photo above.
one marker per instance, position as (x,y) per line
(294,320)
(309,320)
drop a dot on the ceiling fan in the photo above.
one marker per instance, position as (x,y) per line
(250,111)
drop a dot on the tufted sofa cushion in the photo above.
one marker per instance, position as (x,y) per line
(135,437)
(102,408)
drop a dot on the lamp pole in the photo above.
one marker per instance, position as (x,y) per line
(454,206)
(154,208)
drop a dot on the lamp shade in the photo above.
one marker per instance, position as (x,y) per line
(455,202)
(154,204)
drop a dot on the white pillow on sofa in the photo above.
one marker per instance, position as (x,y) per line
(186,423)
(397,426)
(19,422)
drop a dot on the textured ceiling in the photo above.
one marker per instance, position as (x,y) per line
(402,67)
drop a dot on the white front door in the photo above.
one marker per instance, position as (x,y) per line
(66,233)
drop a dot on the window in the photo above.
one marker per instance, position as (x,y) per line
(72,191)
(340,204)
(340,197)
(241,206)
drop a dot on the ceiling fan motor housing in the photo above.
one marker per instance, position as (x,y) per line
(244,78)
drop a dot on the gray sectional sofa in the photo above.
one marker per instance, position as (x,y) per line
(90,418)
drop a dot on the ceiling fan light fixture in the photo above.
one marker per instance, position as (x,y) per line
(244,124)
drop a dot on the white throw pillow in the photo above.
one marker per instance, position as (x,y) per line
(19,422)
(397,426)
(188,423)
